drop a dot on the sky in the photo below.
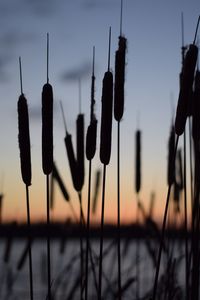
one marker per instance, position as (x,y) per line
(153,64)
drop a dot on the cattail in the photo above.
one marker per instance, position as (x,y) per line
(106,113)
(47,128)
(96,190)
(106,118)
(80,150)
(138,161)
(91,140)
(179,170)
(171,149)
(70,153)
(196,112)
(185,88)
(24,140)
(72,161)
(119,79)
(57,177)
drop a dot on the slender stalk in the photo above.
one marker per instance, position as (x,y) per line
(185,221)
(163,229)
(29,243)
(88,232)
(191,163)
(48,239)
(118,211)
(81,246)
(138,254)
(101,233)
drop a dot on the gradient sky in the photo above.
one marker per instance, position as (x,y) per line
(153,31)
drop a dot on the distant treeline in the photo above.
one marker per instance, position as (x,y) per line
(59,229)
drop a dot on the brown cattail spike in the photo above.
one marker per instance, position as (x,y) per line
(106,113)
(80,150)
(196,111)
(24,140)
(171,149)
(138,161)
(70,154)
(179,175)
(119,79)
(106,118)
(96,190)
(187,78)
(47,128)
(57,177)
(72,161)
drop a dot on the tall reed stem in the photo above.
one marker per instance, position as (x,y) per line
(138,253)
(81,246)
(48,239)
(118,211)
(163,229)
(29,243)
(88,231)
(101,233)
(185,222)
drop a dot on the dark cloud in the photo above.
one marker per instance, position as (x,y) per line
(80,72)
(42,7)
(13,38)
(93,4)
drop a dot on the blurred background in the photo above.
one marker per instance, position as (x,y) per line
(153,64)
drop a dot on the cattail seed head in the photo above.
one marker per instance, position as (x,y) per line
(106,118)
(47,128)
(80,150)
(119,79)
(171,151)
(91,140)
(185,93)
(196,112)
(57,177)
(72,161)
(96,190)
(24,140)
(138,161)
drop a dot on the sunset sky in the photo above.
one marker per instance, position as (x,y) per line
(153,31)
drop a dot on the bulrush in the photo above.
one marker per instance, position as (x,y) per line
(171,149)
(105,145)
(186,84)
(24,139)
(138,161)
(47,128)
(62,187)
(25,159)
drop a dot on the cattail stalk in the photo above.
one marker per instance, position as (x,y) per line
(118,113)
(163,229)
(137,189)
(47,154)
(96,191)
(90,152)
(105,146)
(25,159)
(77,173)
